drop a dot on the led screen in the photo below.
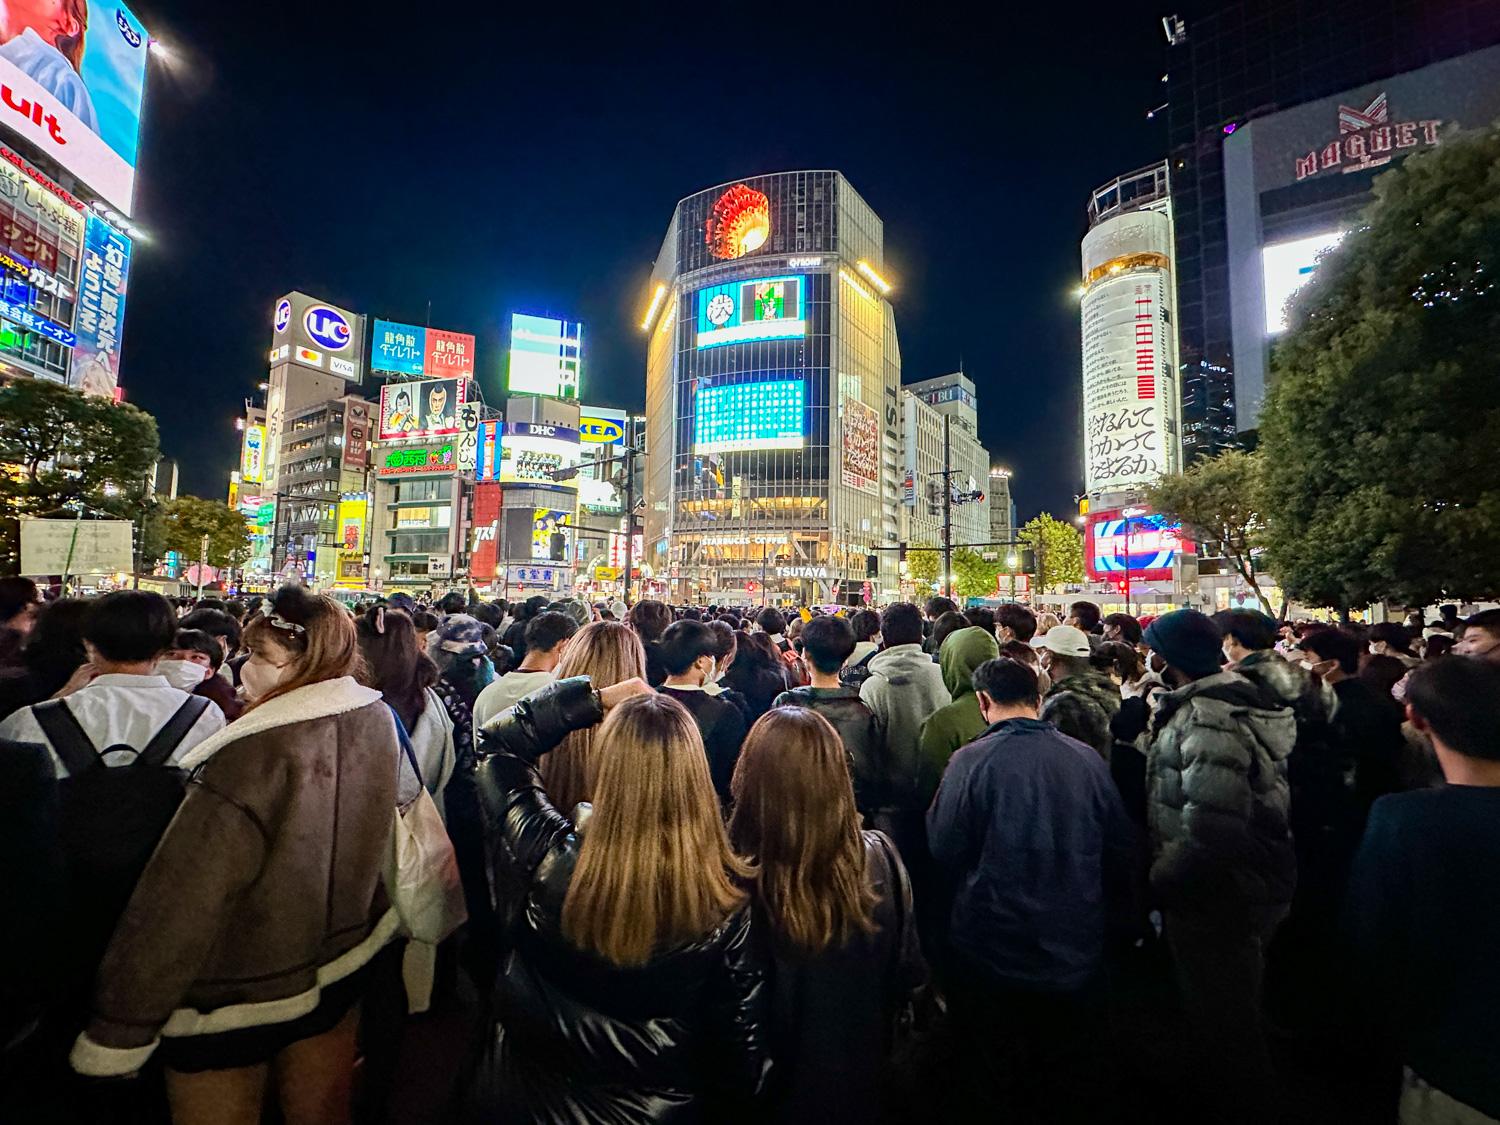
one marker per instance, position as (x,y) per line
(761,415)
(544,355)
(530,452)
(1287,267)
(422,408)
(766,308)
(1147,543)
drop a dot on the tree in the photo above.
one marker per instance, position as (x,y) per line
(188,519)
(1058,548)
(924,564)
(1218,500)
(1382,420)
(973,574)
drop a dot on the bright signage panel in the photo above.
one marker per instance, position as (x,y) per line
(1287,267)
(768,308)
(252,454)
(768,414)
(307,332)
(425,408)
(544,355)
(71,84)
(439,457)
(407,349)
(101,309)
(861,460)
(1148,544)
(531,451)
(1125,351)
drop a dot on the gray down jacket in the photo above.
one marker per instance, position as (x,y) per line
(1219,803)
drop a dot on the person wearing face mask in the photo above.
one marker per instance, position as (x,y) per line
(193,664)
(240,959)
(688,651)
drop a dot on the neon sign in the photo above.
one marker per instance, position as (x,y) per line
(1367,139)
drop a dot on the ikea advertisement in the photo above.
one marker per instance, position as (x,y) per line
(72,74)
(768,308)
(425,408)
(100,318)
(767,414)
(545,356)
(1145,543)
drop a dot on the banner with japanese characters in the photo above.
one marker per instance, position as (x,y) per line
(101,309)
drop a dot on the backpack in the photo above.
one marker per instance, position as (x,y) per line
(110,818)
(796,668)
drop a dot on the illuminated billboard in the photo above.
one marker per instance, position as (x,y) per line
(544,522)
(487,451)
(424,408)
(739,224)
(767,308)
(436,457)
(768,414)
(1287,267)
(544,355)
(307,332)
(1148,544)
(406,349)
(861,460)
(71,78)
(252,454)
(601,426)
(531,451)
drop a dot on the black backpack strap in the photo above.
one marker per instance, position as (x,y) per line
(69,740)
(166,740)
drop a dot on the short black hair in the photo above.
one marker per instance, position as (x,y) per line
(1333,644)
(945,626)
(1020,650)
(724,632)
(1251,628)
(937,605)
(453,602)
(1459,697)
(16,594)
(1007,681)
(216,623)
(1393,633)
(828,642)
(196,640)
(1124,660)
(981,617)
(130,626)
(424,620)
(901,624)
(1130,628)
(1018,619)
(547,630)
(771,621)
(865,623)
(684,642)
(1087,614)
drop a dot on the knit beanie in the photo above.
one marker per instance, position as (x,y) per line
(1188,641)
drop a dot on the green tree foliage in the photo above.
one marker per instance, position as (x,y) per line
(1218,500)
(924,565)
(1382,422)
(1058,548)
(186,520)
(973,574)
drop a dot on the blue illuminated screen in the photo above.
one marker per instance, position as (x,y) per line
(764,308)
(761,415)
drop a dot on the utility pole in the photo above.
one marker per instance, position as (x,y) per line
(947,506)
(630,453)
(202,563)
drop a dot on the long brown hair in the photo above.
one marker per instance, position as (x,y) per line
(656,869)
(394,664)
(71,46)
(314,630)
(608,653)
(794,814)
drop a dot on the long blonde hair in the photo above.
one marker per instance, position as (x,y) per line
(656,869)
(608,653)
(794,814)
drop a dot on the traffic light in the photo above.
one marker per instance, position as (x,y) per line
(872,565)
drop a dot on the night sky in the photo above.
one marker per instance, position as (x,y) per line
(483,163)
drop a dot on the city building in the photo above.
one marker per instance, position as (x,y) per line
(1002,507)
(773,396)
(605,490)
(945,421)
(323,494)
(1248,60)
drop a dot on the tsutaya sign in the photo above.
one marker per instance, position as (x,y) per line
(1367,139)
(802,572)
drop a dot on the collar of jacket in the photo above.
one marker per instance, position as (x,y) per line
(1228,687)
(314,701)
(1018,723)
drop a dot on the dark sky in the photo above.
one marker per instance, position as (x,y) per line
(486,163)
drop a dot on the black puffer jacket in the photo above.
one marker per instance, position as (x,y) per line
(582,1040)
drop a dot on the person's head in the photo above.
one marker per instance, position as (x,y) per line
(794,814)
(54,648)
(728,646)
(300,638)
(197,647)
(866,625)
(437,398)
(19,601)
(1331,653)
(758,652)
(453,602)
(547,637)
(1014,622)
(1439,644)
(1381,672)
(901,624)
(827,643)
(1245,631)
(1480,635)
(394,663)
(770,621)
(236,609)
(403,402)
(689,652)
(1189,644)
(945,626)
(216,623)
(1122,627)
(128,627)
(462,654)
(937,605)
(1085,615)
(1389,638)
(1064,651)
(1007,689)
(655,869)
(1121,661)
(1020,650)
(575,608)
(650,618)
(981,617)
(1449,614)
(1457,702)
(1046,621)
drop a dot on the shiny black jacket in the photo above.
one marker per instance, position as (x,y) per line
(583,1040)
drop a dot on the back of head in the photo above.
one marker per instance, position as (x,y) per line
(17,595)
(1020,650)
(1251,628)
(1018,619)
(1130,628)
(452,602)
(1086,614)
(547,630)
(311,633)
(827,642)
(865,623)
(487,614)
(901,624)
(684,642)
(771,621)
(650,618)
(1188,641)
(981,617)
(211,603)
(945,626)
(1459,699)
(794,814)
(724,635)
(1382,673)
(938,605)
(1008,683)
(655,870)
(130,626)
(607,652)
(1120,659)
(54,647)
(965,650)
(574,608)
(394,664)
(757,651)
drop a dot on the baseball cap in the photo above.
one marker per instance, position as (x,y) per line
(1063,640)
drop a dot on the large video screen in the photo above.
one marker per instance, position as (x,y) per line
(1146,543)
(530,452)
(768,414)
(545,355)
(766,308)
(1286,268)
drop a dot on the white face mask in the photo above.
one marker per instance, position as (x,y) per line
(1377,648)
(184,675)
(260,676)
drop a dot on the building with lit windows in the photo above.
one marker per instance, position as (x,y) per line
(944,445)
(773,395)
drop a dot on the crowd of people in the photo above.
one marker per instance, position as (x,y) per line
(741,864)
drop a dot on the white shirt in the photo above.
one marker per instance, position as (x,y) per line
(505,693)
(119,709)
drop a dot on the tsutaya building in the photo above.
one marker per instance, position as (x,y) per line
(772,395)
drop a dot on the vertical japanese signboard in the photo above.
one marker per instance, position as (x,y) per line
(101,309)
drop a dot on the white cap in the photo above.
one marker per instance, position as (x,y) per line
(1063,640)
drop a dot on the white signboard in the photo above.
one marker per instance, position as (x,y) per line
(75,547)
(1288,266)
(439,566)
